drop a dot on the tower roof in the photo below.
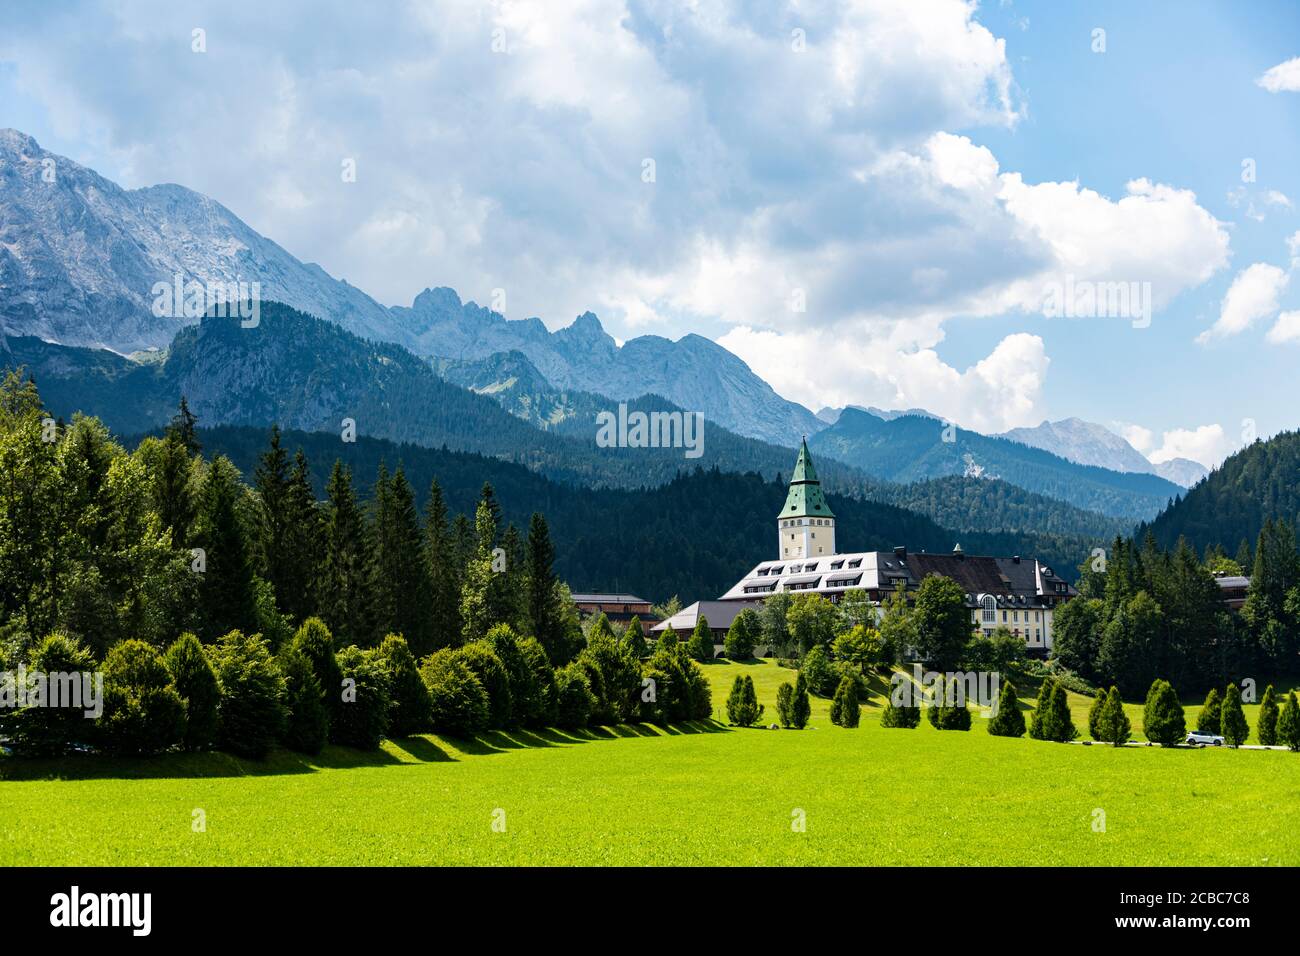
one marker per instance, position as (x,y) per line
(805,499)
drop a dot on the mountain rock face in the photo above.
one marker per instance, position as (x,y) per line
(913,448)
(1088,443)
(80,257)
(1181,471)
(693,373)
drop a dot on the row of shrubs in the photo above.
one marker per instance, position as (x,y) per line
(240,696)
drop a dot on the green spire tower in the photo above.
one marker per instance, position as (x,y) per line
(806,524)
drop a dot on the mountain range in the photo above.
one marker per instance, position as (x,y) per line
(1088,443)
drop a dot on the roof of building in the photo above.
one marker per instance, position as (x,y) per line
(1012,582)
(1232,581)
(805,499)
(608,599)
(719,614)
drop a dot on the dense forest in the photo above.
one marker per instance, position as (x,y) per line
(1259,482)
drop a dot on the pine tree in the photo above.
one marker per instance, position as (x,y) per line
(288,539)
(1062,724)
(785,704)
(844,705)
(1008,721)
(634,637)
(801,707)
(1209,722)
(443,573)
(196,682)
(1232,720)
(397,569)
(1162,718)
(1040,722)
(1268,713)
(1094,715)
(1114,725)
(184,426)
(700,646)
(739,642)
(344,585)
(742,704)
(226,590)
(1288,723)
(545,618)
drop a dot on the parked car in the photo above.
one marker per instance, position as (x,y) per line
(1200,738)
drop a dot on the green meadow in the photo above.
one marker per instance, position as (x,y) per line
(686,795)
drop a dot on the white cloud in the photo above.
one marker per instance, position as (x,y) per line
(1286,329)
(1206,444)
(1285,77)
(1252,296)
(1001,391)
(1143,439)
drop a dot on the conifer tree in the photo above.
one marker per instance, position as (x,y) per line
(1113,724)
(1288,723)
(743,709)
(287,533)
(739,642)
(344,586)
(397,573)
(476,592)
(801,706)
(634,637)
(1062,724)
(307,727)
(785,704)
(443,573)
(226,590)
(1162,718)
(700,646)
(1094,715)
(196,682)
(545,617)
(1040,722)
(1209,721)
(1268,713)
(1008,721)
(1232,720)
(844,705)
(901,713)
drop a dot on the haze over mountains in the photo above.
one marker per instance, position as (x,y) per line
(79,258)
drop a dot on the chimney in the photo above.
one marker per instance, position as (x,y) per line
(1015,559)
(900,554)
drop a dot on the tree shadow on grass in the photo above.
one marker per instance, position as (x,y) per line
(422,749)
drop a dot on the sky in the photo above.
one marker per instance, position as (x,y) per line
(902,204)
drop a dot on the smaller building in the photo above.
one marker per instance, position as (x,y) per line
(1233,589)
(719,614)
(619,608)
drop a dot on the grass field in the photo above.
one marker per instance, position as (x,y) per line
(682,796)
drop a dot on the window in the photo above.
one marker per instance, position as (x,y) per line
(836,565)
(990,605)
(855,563)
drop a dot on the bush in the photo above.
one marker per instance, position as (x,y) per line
(574,699)
(314,640)
(614,673)
(844,706)
(900,715)
(460,705)
(143,713)
(743,708)
(307,726)
(1288,723)
(53,731)
(1113,723)
(785,704)
(1008,721)
(195,681)
(945,711)
(819,672)
(678,689)
(492,674)
(801,706)
(1232,721)
(538,709)
(1268,718)
(367,702)
(1162,717)
(1210,719)
(412,711)
(252,714)
(505,644)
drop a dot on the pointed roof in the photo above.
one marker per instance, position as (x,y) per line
(805,499)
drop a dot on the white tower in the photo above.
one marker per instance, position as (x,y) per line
(806,525)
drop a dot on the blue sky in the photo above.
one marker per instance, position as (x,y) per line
(864,201)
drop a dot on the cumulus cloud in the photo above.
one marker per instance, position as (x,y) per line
(779,176)
(1286,329)
(1207,444)
(1252,296)
(1283,78)
(1140,437)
